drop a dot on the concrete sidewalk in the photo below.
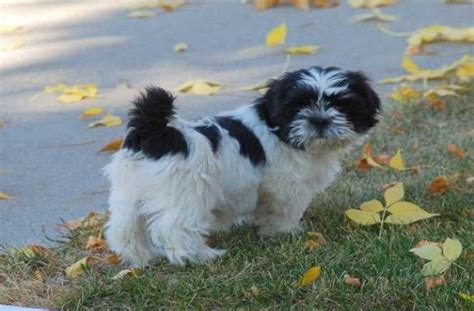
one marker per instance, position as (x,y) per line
(48,157)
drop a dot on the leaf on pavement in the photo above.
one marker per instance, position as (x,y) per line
(276,36)
(323,4)
(109,120)
(91,112)
(112,146)
(200,87)
(78,267)
(73,93)
(311,275)
(181,47)
(437,33)
(370,3)
(4,196)
(302,49)
(374,15)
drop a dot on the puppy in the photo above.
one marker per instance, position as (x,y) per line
(175,181)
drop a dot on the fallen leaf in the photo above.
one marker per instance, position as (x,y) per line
(92,220)
(382,159)
(317,236)
(126,272)
(323,4)
(73,93)
(370,3)
(302,49)
(467,297)
(374,15)
(109,120)
(439,185)
(310,276)
(409,65)
(91,112)
(12,45)
(311,244)
(95,243)
(465,72)
(402,213)
(77,268)
(112,146)
(265,4)
(432,74)
(397,162)
(404,93)
(181,47)
(363,218)
(113,259)
(352,281)
(445,90)
(4,196)
(32,250)
(142,14)
(74,224)
(439,262)
(367,161)
(200,87)
(437,33)
(432,282)
(394,194)
(436,103)
(454,149)
(373,206)
(276,36)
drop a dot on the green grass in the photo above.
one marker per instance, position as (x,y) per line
(263,273)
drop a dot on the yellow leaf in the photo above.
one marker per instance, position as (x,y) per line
(113,145)
(4,196)
(126,272)
(311,244)
(91,112)
(302,49)
(436,267)
(437,33)
(410,66)
(465,72)
(429,252)
(12,45)
(404,93)
(54,88)
(77,268)
(262,85)
(373,206)
(142,14)
(181,47)
(445,90)
(394,194)
(396,161)
(200,87)
(452,249)
(276,36)
(363,218)
(402,213)
(109,120)
(310,276)
(170,5)
(370,3)
(70,98)
(467,297)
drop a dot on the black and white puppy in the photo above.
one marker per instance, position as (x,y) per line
(175,181)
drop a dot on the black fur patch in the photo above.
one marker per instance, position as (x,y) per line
(212,134)
(148,125)
(250,146)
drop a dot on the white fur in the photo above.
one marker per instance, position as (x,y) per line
(168,207)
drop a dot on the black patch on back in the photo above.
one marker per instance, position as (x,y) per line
(250,146)
(212,134)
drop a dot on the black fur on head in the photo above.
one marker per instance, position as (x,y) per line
(318,105)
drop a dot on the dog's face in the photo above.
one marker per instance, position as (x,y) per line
(316,107)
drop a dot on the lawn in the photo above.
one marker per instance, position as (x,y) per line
(264,273)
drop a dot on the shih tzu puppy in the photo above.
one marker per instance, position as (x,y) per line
(175,181)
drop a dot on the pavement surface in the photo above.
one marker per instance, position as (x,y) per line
(48,157)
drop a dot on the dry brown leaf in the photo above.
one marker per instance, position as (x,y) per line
(352,281)
(323,4)
(432,282)
(454,149)
(32,250)
(311,244)
(77,268)
(112,146)
(265,4)
(382,159)
(113,259)
(367,162)
(439,185)
(4,196)
(317,236)
(436,103)
(95,243)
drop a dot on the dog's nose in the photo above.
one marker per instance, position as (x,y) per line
(319,122)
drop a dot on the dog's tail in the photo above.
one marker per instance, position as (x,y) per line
(153,110)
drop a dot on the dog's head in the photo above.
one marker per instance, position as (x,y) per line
(315,107)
